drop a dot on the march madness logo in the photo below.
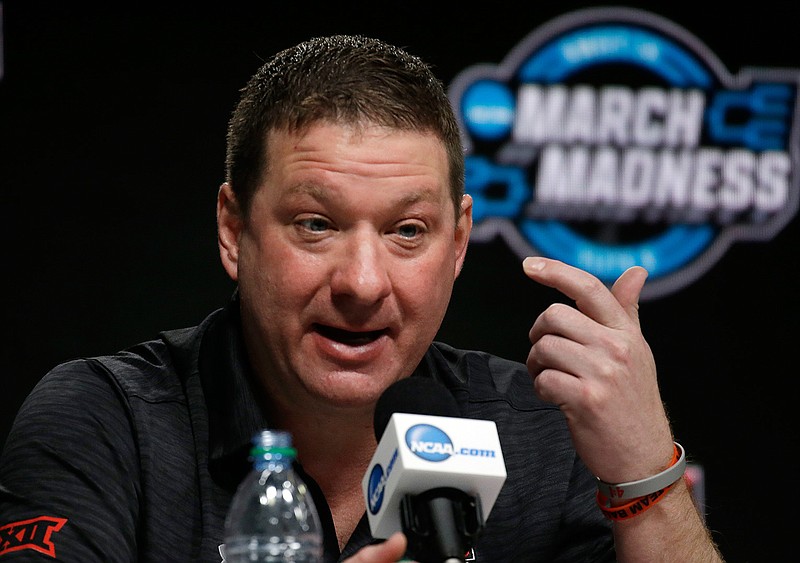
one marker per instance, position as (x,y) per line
(34,534)
(612,137)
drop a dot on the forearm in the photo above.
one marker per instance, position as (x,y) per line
(670,531)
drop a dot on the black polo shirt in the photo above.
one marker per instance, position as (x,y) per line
(135,456)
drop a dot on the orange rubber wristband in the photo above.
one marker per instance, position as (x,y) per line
(632,508)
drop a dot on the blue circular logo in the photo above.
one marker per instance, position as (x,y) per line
(429,442)
(488,109)
(375,488)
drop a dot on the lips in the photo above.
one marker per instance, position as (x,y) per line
(348,337)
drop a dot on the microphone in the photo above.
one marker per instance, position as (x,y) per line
(434,476)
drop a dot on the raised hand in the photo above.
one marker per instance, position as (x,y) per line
(594,363)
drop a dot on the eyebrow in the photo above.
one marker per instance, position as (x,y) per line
(314,190)
(321,193)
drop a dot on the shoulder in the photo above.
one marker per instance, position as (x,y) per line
(80,387)
(146,371)
(97,391)
(74,413)
(154,370)
(108,391)
(143,371)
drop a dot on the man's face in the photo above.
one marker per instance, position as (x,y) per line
(346,260)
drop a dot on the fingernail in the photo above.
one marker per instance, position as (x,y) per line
(532,264)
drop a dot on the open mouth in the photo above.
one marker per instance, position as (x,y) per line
(348,337)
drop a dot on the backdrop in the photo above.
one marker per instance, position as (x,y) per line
(112,127)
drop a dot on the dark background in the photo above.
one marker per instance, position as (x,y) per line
(112,126)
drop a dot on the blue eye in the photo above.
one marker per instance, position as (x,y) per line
(408,230)
(316,224)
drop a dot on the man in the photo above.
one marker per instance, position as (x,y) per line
(344,222)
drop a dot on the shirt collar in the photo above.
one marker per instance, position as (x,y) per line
(234,415)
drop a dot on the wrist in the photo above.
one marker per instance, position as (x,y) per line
(642,487)
(620,501)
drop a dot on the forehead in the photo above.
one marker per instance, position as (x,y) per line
(362,151)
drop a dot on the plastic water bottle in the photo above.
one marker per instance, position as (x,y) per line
(272,516)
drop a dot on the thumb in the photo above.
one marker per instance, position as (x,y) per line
(388,551)
(628,288)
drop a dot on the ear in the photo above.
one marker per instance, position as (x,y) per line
(463,230)
(229,229)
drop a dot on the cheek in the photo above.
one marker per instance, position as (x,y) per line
(270,274)
(428,289)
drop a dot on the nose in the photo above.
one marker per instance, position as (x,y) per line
(361,272)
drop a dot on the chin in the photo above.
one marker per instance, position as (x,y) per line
(352,390)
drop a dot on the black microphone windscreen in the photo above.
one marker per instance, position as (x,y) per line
(413,395)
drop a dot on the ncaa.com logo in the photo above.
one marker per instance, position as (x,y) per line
(612,137)
(433,444)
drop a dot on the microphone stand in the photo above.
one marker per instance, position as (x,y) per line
(441,524)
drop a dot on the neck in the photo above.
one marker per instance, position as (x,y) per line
(329,444)
(335,451)
(334,443)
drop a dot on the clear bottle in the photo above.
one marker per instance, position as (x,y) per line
(272,516)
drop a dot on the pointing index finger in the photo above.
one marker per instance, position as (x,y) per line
(590,295)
